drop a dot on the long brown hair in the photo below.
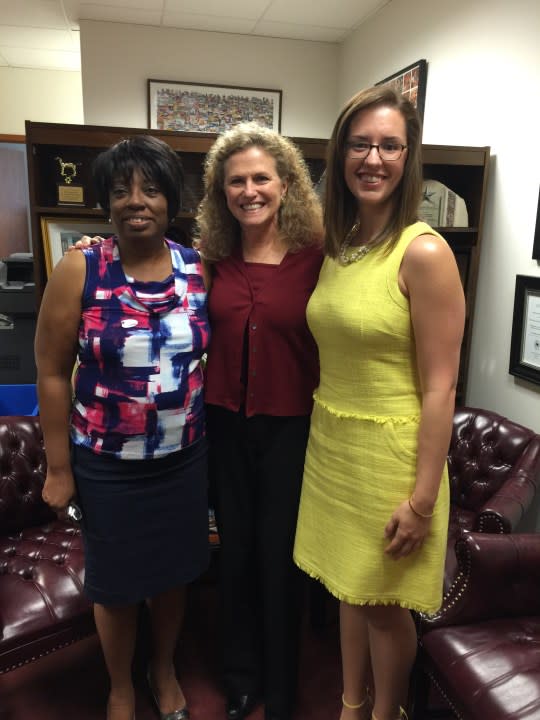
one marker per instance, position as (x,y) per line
(340,207)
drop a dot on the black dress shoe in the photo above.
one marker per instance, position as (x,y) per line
(238,707)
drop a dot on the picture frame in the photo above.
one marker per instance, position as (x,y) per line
(536,242)
(411,81)
(59,233)
(525,344)
(202,108)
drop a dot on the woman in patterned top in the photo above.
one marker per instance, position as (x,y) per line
(133,311)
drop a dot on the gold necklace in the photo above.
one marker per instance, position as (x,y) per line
(346,258)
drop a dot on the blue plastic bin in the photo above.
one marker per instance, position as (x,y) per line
(18,400)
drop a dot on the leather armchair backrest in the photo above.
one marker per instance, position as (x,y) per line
(22,474)
(484,450)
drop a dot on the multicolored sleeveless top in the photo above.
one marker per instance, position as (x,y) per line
(138,386)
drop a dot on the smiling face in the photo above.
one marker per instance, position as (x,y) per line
(373,181)
(138,208)
(253,188)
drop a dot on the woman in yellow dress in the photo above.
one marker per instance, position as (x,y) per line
(388,316)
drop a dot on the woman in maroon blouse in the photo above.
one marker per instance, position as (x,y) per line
(260,232)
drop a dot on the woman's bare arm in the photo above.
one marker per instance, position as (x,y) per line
(430,277)
(55,349)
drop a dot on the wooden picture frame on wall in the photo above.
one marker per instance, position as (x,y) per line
(411,81)
(60,232)
(196,107)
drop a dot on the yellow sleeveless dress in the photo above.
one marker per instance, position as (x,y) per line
(361,456)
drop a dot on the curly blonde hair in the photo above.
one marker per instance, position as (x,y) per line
(300,216)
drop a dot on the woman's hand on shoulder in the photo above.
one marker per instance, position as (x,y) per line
(85,242)
(68,274)
(406,531)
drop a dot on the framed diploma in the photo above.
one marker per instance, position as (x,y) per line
(525,345)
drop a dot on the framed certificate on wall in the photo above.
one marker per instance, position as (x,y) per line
(525,345)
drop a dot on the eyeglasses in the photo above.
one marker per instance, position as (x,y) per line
(359,150)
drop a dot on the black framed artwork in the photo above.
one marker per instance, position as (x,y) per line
(525,344)
(536,243)
(411,81)
(198,107)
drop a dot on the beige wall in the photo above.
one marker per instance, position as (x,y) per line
(117,61)
(482,89)
(39,95)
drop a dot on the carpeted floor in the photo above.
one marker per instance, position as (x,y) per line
(71,684)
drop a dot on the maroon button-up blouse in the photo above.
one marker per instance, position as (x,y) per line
(281,364)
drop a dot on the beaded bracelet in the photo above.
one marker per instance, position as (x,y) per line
(415,511)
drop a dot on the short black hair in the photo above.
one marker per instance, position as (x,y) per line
(156,160)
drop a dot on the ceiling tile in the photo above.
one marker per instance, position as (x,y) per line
(209,23)
(72,9)
(46,31)
(156,5)
(26,37)
(299,32)
(247,9)
(46,59)
(108,13)
(33,13)
(342,14)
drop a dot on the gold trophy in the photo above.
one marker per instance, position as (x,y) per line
(68,193)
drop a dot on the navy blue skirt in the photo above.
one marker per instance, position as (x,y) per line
(145,522)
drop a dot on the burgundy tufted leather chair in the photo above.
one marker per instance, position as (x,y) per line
(494,469)
(42,607)
(482,649)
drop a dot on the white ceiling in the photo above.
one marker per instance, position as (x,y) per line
(45,33)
